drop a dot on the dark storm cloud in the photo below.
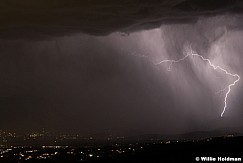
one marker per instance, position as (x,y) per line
(89,84)
(45,19)
(67,81)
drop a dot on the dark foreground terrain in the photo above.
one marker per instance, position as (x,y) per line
(156,151)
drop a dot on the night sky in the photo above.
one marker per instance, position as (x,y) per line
(89,67)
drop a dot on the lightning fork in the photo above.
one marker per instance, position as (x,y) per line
(228,88)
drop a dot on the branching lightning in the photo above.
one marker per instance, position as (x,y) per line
(228,88)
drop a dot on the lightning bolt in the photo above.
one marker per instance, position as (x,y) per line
(228,88)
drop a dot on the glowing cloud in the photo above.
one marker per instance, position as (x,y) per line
(192,53)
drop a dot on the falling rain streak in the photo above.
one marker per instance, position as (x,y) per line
(192,53)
